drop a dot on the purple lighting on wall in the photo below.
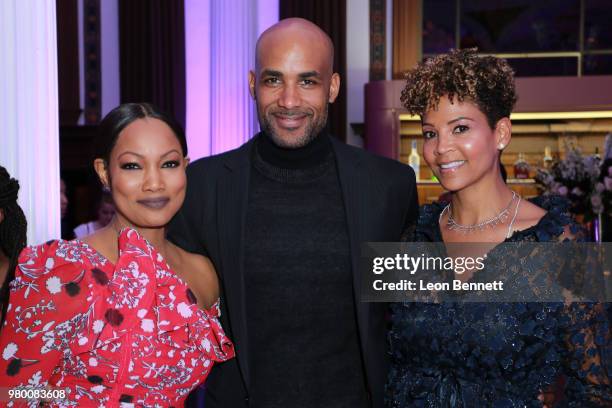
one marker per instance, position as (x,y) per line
(197,77)
(220,41)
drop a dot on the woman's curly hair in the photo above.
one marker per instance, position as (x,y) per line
(486,81)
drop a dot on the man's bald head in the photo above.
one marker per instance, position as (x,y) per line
(293,82)
(294,30)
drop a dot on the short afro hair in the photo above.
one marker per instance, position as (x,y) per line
(486,81)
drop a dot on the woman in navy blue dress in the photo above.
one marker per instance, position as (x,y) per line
(476,354)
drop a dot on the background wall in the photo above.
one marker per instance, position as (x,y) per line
(357,64)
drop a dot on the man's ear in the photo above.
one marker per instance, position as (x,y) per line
(102,172)
(1,215)
(334,87)
(252,84)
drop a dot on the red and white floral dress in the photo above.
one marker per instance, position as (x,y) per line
(129,334)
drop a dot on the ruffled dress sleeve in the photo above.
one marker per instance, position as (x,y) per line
(104,333)
(215,344)
(46,307)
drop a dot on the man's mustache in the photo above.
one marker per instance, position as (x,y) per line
(291,113)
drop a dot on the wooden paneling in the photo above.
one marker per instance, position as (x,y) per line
(407,35)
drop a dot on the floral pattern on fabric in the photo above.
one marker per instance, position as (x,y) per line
(129,333)
(499,354)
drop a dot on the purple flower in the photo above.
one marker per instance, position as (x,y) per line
(562,190)
(582,172)
(577,191)
(596,204)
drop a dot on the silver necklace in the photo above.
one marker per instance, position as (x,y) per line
(500,218)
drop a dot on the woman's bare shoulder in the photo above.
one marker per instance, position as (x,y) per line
(196,262)
(200,275)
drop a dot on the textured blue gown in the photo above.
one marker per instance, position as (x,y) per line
(455,354)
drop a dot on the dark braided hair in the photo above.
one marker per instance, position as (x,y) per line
(13,231)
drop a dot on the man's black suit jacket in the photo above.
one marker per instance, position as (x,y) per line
(380,200)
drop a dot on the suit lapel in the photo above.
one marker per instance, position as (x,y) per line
(232,199)
(352,180)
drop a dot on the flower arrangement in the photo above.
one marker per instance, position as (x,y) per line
(583,180)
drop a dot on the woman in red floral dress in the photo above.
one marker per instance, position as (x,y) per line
(122,317)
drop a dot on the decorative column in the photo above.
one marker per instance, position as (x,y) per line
(109,61)
(220,39)
(29,125)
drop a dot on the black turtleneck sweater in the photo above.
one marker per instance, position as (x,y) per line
(302,331)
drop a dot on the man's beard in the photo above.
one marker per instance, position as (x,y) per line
(311,131)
